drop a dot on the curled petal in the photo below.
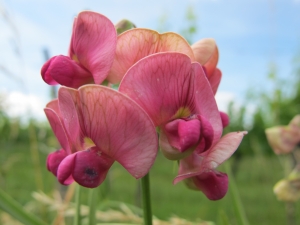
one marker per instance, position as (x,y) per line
(207,54)
(195,164)
(116,125)
(65,71)
(53,115)
(179,137)
(54,159)
(93,44)
(138,43)
(46,73)
(225,119)
(213,184)
(163,86)
(65,170)
(88,168)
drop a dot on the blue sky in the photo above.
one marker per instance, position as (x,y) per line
(250,34)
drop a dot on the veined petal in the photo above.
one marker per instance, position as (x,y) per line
(65,71)
(196,164)
(207,54)
(119,127)
(93,43)
(69,104)
(206,103)
(53,115)
(138,43)
(163,86)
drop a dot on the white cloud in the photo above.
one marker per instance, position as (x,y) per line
(223,99)
(24,106)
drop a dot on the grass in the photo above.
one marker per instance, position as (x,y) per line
(255,178)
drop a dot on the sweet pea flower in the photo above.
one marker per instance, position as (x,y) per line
(138,43)
(91,53)
(178,98)
(284,139)
(96,126)
(199,169)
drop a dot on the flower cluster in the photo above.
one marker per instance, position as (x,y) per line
(285,140)
(165,86)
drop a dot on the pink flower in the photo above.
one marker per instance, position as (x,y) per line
(284,139)
(96,126)
(91,53)
(177,96)
(198,170)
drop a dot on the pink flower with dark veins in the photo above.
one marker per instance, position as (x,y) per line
(96,126)
(177,95)
(91,53)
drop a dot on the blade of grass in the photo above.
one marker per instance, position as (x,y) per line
(9,205)
(238,206)
(77,217)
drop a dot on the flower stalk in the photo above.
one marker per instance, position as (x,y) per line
(146,200)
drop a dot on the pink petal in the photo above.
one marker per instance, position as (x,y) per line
(207,54)
(52,113)
(93,43)
(179,137)
(138,43)
(163,86)
(117,126)
(195,164)
(225,119)
(69,103)
(46,75)
(207,135)
(65,170)
(215,79)
(65,71)
(90,167)
(213,184)
(206,103)
(54,159)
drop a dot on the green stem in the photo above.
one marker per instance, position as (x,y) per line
(77,212)
(92,204)
(238,206)
(146,200)
(12,207)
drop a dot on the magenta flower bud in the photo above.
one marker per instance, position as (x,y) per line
(54,159)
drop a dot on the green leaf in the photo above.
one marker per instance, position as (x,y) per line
(9,205)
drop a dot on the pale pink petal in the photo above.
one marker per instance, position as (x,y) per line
(138,43)
(207,54)
(215,80)
(65,71)
(90,167)
(54,159)
(119,128)
(196,164)
(163,86)
(206,103)
(93,43)
(52,113)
